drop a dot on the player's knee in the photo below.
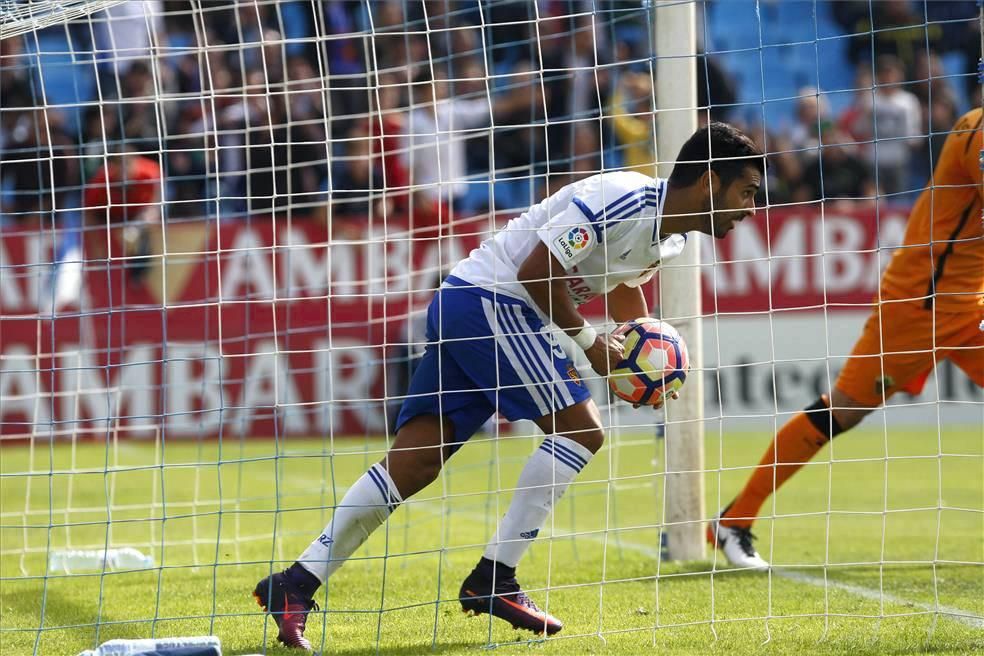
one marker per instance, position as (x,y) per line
(581,423)
(418,453)
(591,439)
(429,463)
(413,468)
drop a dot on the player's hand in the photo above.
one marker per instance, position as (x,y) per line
(606,352)
(656,406)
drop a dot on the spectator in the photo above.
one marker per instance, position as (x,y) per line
(437,130)
(387,128)
(836,174)
(586,60)
(16,83)
(40,165)
(897,119)
(141,109)
(519,139)
(940,109)
(356,186)
(100,135)
(124,193)
(812,117)
(931,83)
(125,190)
(632,108)
(284,161)
(273,63)
(784,168)
(191,158)
(856,119)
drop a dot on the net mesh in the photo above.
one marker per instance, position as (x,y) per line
(222,224)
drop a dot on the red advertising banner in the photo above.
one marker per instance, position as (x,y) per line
(263,327)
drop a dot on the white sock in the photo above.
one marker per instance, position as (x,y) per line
(544,480)
(365,506)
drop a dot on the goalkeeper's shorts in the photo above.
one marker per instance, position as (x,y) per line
(901,343)
(488,352)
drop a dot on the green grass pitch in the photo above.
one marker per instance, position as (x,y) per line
(904,534)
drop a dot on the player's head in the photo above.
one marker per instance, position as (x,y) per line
(722,169)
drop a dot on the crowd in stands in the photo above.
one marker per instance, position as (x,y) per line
(339,108)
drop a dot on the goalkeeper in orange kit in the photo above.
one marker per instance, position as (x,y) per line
(930,308)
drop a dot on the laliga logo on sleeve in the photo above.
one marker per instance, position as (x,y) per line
(578,238)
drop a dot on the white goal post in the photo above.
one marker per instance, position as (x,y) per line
(676,119)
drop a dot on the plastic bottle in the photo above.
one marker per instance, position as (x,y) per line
(191,646)
(73,561)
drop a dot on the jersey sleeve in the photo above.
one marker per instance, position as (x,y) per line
(605,208)
(569,236)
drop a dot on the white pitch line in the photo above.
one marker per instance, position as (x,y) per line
(956,614)
(950,612)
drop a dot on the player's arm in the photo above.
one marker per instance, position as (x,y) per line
(544,278)
(627,303)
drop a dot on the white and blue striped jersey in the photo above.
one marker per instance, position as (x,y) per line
(603,229)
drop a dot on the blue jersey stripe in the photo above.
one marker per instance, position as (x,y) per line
(629,210)
(589,215)
(624,206)
(614,205)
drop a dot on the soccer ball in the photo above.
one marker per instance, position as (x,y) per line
(655,363)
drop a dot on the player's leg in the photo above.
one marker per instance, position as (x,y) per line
(573,436)
(894,349)
(538,382)
(414,460)
(492,586)
(440,412)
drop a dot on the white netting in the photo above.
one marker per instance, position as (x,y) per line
(220,227)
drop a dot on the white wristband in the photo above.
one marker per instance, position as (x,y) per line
(586,337)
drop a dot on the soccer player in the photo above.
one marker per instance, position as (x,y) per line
(125,193)
(489,349)
(930,308)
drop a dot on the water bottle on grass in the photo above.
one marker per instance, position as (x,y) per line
(73,561)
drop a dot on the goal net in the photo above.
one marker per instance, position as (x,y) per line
(221,224)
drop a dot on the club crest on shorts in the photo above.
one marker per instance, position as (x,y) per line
(572,374)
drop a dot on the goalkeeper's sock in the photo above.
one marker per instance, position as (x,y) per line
(365,506)
(544,479)
(794,445)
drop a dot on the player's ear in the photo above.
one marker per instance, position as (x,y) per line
(709,183)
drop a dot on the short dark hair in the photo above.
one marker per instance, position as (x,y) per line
(728,150)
